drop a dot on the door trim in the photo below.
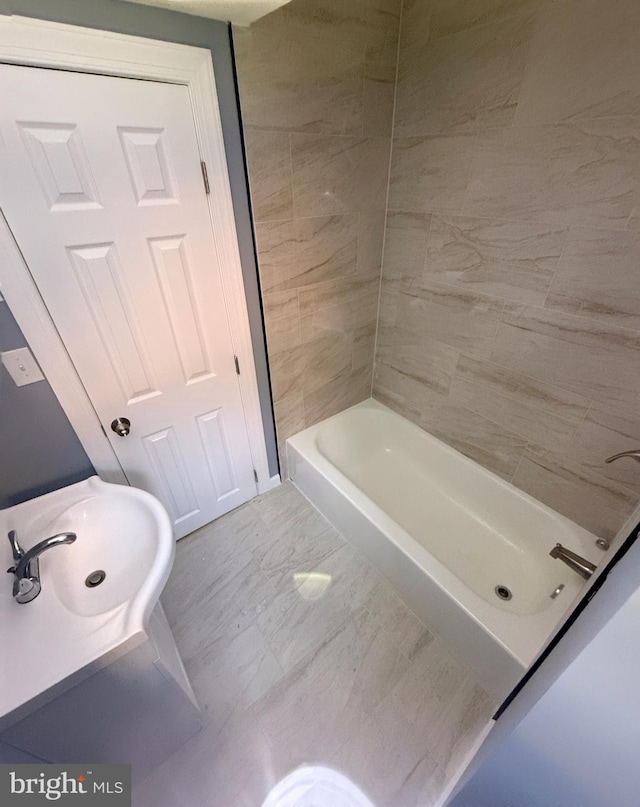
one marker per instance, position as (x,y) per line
(38,43)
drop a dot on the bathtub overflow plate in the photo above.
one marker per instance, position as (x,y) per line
(503,592)
(95,578)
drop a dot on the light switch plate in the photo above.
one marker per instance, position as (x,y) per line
(21,366)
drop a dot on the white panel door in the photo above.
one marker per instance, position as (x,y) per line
(102,187)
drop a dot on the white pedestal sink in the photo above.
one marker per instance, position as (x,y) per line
(92,673)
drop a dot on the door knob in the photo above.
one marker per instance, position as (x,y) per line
(121,426)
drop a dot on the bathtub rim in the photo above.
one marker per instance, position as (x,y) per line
(524,640)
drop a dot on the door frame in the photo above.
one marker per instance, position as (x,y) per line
(39,43)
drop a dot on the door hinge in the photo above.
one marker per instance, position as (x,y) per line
(205,177)
(235,358)
(255,475)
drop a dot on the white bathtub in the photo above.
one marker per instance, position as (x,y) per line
(445,532)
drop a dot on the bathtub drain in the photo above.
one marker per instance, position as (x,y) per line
(95,578)
(503,592)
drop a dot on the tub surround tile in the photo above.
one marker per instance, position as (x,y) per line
(603,433)
(269,155)
(349,291)
(457,317)
(583,63)
(597,277)
(300,90)
(287,368)
(278,304)
(584,173)
(514,260)
(334,175)
(364,346)
(338,394)
(302,252)
(370,243)
(464,82)
(283,333)
(589,358)
(491,444)
(425,361)
(403,393)
(346,316)
(453,16)
(431,173)
(543,413)
(589,499)
(405,246)
(316,83)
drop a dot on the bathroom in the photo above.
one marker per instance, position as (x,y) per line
(438,221)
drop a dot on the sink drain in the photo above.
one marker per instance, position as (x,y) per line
(95,578)
(503,592)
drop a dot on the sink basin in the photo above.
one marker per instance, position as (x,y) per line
(73,629)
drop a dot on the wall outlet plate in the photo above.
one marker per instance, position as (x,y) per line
(21,366)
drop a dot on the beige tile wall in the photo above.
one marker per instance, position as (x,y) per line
(510,309)
(316,82)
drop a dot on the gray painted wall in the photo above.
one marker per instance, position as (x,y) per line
(39,451)
(169,26)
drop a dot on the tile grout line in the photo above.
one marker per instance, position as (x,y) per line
(386,208)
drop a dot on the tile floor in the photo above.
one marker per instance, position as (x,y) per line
(299,653)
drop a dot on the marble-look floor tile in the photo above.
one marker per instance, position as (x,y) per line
(464,82)
(515,260)
(269,161)
(597,277)
(430,173)
(280,506)
(301,657)
(209,558)
(393,616)
(597,361)
(337,175)
(229,674)
(325,700)
(585,173)
(225,769)
(314,600)
(306,538)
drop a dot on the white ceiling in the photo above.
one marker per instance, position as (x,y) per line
(239,12)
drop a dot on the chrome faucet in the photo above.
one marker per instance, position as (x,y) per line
(579,564)
(634,454)
(26,581)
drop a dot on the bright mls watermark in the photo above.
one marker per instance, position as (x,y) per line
(32,785)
